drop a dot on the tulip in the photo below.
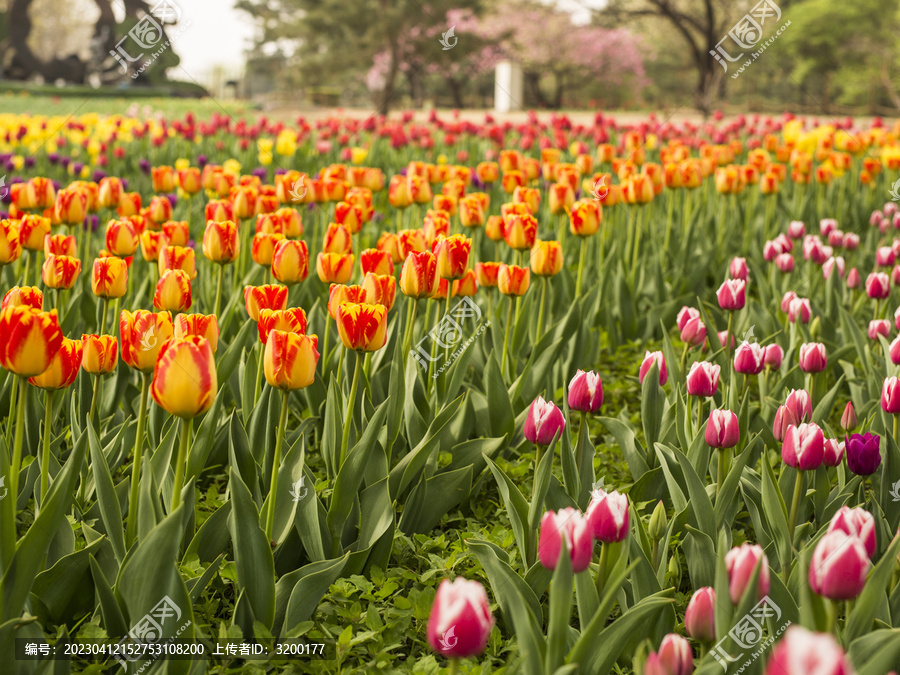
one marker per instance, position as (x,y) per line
(334,267)
(685,314)
(411,240)
(218,210)
(163,178)
(585,392)
(151,242)
(649,359)
(741,563)
(878,285)
(700,619)
(722,429)
(462,288)
(30,296)
(879,328)
(798,401)
(60,244)
(487,273)
(63,369)
(839,566)
(189,180)
(290,358)
(349,215)
(570,524)
(381,289)
(520,231)
(732,294)
(177,258)
(290,261)
(813,358)
(101,354)
(543,422)
(206,326)
(257,298)
(785,263)
(773,355)
(694,332)
(390,243)
(221,242)
(143,333)
(703,379)
(121,238)
(285,320)
(853,278)
(858,523)
(129,204)
(493,228)
(10,243)
(436,224)
(460,622)
(452,254)
(184,385)
(513,280)
(863,453)
(675,655)
(803,447)
(784,418)
(786,301)
(801,652)
(362,327)
(32,231)
(160,209)
(262,247)
(173,291)
(375,261)
(60,271)
(748,358)
(834,452)
(608,516)
(738,269)
(71,207)
(585,218)
(799,310)
(848,418)
(546,258)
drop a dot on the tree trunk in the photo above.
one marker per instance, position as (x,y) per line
(455,92)
(532,81)
(388,91)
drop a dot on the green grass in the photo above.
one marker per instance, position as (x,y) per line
(87,101)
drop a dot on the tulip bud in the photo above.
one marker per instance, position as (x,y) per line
(546,258)
(572,525)
(773,355)
(362,328)
(799,403)
(732,294)
(658,522)
(863,453)
(221,242)
(184,378)
(543,422)
(290,359)
(748,358)
(60,271)
(649,359)
(173,291)
(700,617)
(741,563)
(513,280)
(290,261)
(803,447)
(801,652)
(839,566)
(703,379)
(418,276)
(848,419)
(675,655)
(858,523)
(100,355)
(878,285)
(109,277)
(834,452)
(685,314)
(722,429)
(461,621)
(813,357)
(738,269)
(693,332)
(673,572)
(799,311)
(585,392)
(608,516)
(853,279)
(452,254)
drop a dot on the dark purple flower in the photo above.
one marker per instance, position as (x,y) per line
(10,165)
(260,172)
(65,161)
(403,171)
(77,167)
(29,162)
(4,215)
(56,185)
(280,172)
(124,183)
(202,160)
(173,199)
(863,454)
(98,176)
(144,166)
(53,157)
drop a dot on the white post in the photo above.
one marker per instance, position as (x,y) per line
(508,82)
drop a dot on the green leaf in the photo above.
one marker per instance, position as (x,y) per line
(560,609)
(873,595)
(502,416)
(516,508)
(311,583)
(876,653)
(110,509)
(653,401)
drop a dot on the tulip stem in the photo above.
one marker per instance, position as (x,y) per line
(348,417)
(219,282)
(103,316)
(453,669)
(897,428)
(601,568)
(180,462)
(582,256)
(276,464)
(509,317)
(257,386)
(45,454)
(17,443)
(792,520)
(94,398)
(410,322)
(12,408)
(131,526)
(540,323)
(720,472)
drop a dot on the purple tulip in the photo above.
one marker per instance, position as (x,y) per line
(863,453)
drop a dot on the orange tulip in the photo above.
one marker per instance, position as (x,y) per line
(561,198)
(173,291)
(691,174)
(529,196)
(419,189)
(109,193)
(109,277)
(268,223)
(204,325)
(520,231)
(189,180)
(32,230)
(362,327)
(398,192)
(418,277)
(23,196)
(263,247)
(471,211)
(513,280)
(71,206)
(361,198)
(101,353)
(44,192)
(380,289)
(337,239)
(243,201)
(436,224)
(30,296)
(511,180)
(121,238)
(454,189)
(160,209)
(29,339)
(411,240)
(64,367)
(493,228)
(292,224)
(219,210)
(390,244)
(163,178)
(184,379)
(585,217)
(333,189)
(129,204)
(60,244)
(465,287)
(293,187)
(290,360)
(338,294)
(334,267)
(378,262)
(10,243)
(151,242)
(290,261)
(177,258)
(487,172)
(287,320)
(639,189)
(452,255)
(348,215)
(60,271)
(546,258)
(221,243)
(486,274)
(270,296)
(445,204)
(176,232)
